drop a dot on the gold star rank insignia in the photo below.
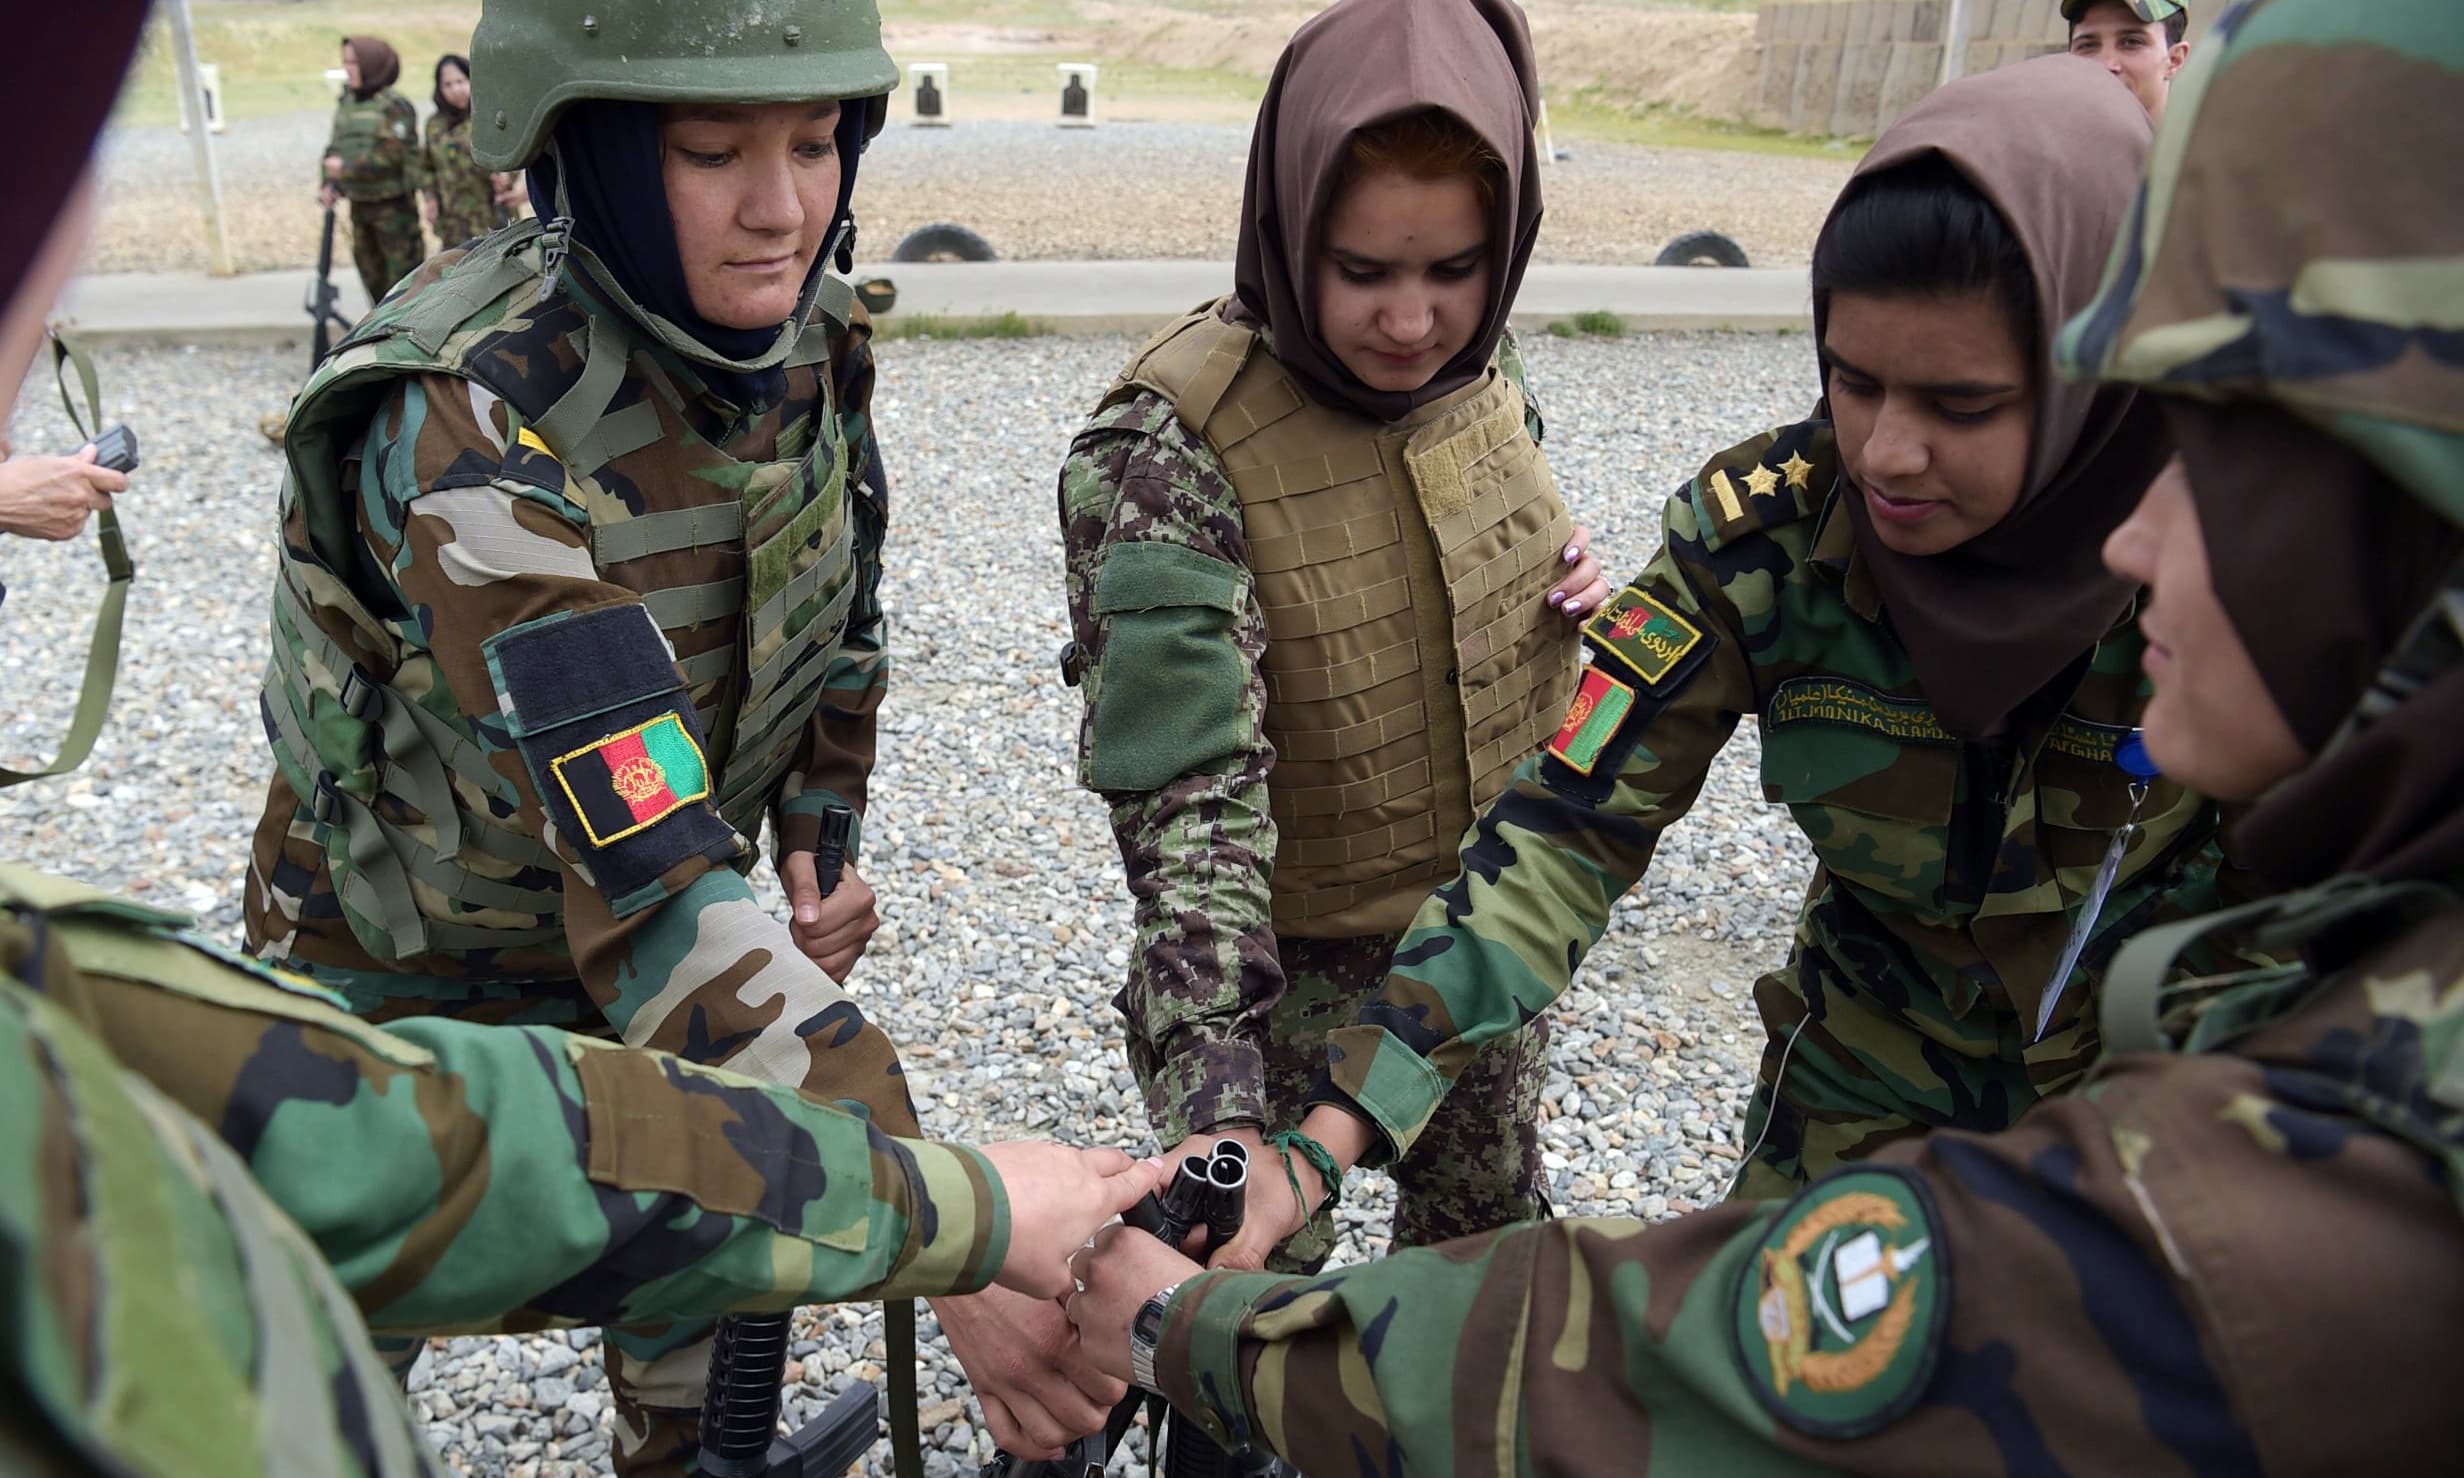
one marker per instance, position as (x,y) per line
(1762,482)
(1798,469)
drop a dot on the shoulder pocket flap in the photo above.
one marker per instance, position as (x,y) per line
(659,1124)
(570,666)
(1147,576)
(1859,760)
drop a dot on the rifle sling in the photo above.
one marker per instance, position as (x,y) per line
(103,647)
(906,1434)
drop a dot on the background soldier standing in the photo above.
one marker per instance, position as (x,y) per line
(373,160)
(2139,41)
(462,193)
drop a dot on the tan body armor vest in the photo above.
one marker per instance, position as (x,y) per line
(1412,660)
(748,569)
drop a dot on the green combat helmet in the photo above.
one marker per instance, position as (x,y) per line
(530,58)
(2342,311)
(2150,11)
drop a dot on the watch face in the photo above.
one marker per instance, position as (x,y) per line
(1150,1320)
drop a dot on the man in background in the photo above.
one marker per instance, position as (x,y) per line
(2141,42)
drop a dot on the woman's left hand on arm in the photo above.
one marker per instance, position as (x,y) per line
(1585,588)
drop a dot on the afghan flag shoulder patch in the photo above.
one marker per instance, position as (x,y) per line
(1644,635)
(1600,704)
(630,781)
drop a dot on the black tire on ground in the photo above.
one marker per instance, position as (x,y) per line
(944,241)
(1701,249)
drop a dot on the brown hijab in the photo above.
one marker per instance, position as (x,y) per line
(1359,63)
(2057,148)
(2322,562)
(379,67)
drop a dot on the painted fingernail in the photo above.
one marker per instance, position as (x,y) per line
(1557,597)
(1573,608)
(1573,553)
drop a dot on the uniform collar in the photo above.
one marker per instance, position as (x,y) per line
(1835,551)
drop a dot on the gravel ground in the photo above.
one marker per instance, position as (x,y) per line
(997,876)
(1012,182)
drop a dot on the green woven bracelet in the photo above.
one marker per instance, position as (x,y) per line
(1285,1142)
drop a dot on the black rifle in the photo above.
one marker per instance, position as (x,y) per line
(748,1358)
(1209,1191)
(324,299)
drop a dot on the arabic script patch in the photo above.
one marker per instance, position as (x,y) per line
(1643,634)
(1839,1312)
(626,782)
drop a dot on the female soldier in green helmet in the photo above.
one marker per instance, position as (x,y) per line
(579,586)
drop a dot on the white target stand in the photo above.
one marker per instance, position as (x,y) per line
(928,92)
(1077,94)
(209,98)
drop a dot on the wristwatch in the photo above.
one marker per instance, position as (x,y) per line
(1146,1329)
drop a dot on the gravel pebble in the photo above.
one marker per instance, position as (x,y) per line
(999,883)
(1609,203)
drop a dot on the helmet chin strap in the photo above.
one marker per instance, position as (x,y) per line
(558,248)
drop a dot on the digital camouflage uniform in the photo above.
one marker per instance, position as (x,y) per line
(462,187)
(383,171)
(189,1139)
(556,630)
(2238,1252)
(1227,1021)
(1949,873)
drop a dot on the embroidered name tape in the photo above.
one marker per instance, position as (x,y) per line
(1600,704)
(1828,700)
(1643,635)
(629,781)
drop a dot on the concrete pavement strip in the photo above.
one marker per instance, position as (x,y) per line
(1061,297)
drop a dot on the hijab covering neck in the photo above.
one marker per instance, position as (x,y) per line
(591,181)
(2056,148)
(379,67)
(446,110)
(2271,489)
(1356,64)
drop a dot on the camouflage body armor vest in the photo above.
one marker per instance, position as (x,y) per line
(749,569)
(1412,661)
(377,139)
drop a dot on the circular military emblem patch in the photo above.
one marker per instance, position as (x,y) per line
(1839,1312)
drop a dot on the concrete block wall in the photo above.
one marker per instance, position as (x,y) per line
(1848,67)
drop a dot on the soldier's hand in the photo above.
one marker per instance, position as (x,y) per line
(327,195)
(1585,588)
(333,166)
(1020,1353)
(831,931)
(1125,1268)
(52,497)
(1058,1196)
